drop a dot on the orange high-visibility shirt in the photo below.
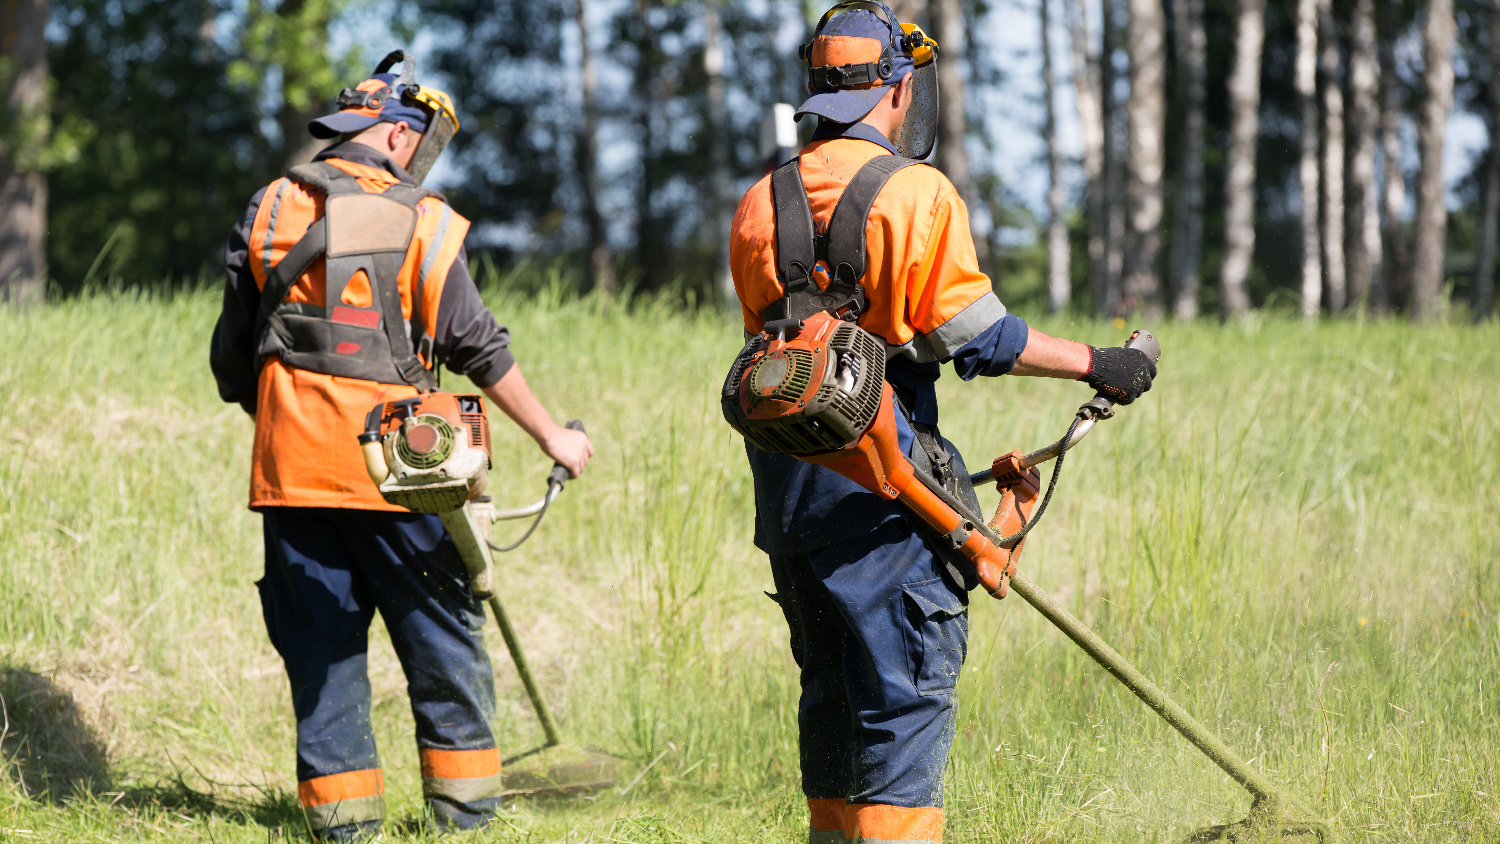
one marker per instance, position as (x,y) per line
(927,295)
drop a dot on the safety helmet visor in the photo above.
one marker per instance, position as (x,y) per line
(441,128)
(919,130)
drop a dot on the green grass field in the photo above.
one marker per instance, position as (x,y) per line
(1295,533)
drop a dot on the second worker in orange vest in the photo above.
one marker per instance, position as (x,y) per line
(327,313)
(878,616)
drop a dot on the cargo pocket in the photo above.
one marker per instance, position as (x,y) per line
(937,635)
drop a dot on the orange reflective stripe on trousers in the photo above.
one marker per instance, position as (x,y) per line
(339,799)
(834,821)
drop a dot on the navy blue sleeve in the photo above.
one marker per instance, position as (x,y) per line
(231,354)
(994,351)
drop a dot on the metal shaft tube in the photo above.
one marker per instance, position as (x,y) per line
(513,644)
(1150,694)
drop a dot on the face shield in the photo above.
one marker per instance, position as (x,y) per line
(919,130)
(442,123)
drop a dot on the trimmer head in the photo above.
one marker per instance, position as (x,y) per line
(1267,824)
(557,771)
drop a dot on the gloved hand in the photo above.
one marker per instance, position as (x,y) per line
(1120,374)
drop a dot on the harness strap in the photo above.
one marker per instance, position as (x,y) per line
(382,267)
(843,247)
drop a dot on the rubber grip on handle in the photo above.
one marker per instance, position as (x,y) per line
(560,473)
(1139,339)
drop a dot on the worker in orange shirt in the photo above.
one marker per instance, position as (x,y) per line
(878,614)
(347,286)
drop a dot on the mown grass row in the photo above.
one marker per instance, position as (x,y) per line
(1294,533)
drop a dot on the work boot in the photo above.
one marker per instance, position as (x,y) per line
(351,832)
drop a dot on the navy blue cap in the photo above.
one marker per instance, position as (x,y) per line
(853,37)
(357,118)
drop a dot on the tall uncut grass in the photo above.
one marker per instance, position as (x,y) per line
(1295,533)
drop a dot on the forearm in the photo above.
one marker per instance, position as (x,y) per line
(1052,357)
(514,397)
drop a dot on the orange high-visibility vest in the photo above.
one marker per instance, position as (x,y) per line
(319,375)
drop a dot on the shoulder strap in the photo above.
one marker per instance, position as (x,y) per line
(843,246)
(320,175)
(795,253)
(847,251)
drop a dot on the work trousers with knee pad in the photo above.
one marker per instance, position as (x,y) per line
(880,633)
(327,572)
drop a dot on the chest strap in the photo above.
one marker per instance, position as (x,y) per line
(842,247)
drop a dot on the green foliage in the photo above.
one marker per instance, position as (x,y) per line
(1293,533)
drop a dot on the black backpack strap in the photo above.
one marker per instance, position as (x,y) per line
(795,253)
(847,251)
(325,177)
(292,265)
(843,247)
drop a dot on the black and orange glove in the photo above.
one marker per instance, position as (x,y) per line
(1120,374)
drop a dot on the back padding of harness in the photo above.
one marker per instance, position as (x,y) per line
(842,247)
(358,231)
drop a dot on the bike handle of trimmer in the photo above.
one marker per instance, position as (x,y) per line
(560,474)
(555,480)
(1096,408)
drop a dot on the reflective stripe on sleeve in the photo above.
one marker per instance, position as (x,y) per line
(967,324)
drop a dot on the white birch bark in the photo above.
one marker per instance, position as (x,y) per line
(1091,123)
(1187,210)
(1333,159)
(718,126)
(1244,126)
(1306,73)
(1108,294)
(1363,232)
(1058,270)
(1146,112)
(1432,215)
(601,262)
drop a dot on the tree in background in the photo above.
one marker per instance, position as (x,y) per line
(1187,211)
(1145,111)
(601,262)
(1330,63)
(171,157)
(24,130)
(1244,104)
(1484,273)
(1363,230)
(1059,280)
(1393,275)
(1429,233)
(1308,173)
(1087,97)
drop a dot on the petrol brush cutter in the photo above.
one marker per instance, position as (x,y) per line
(815,389)
(431,454)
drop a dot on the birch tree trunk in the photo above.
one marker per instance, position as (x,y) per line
(1392,279)
(1484,275)
(718,123)
(1146,111)
(1432,215)
(1244,126)
(1306,72)
(1107,297)
(1091,124)
(1333,159)
(601,263)
(953,123)
(1187,210)
(647,237)
(1058,271)
(1363,233)
(23,185)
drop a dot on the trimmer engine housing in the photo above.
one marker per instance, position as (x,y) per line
(430,453)
(816,392)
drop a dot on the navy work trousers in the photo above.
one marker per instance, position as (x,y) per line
(880,634)
(327,572)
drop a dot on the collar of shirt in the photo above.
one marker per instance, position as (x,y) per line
(368,156)
(828,130)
